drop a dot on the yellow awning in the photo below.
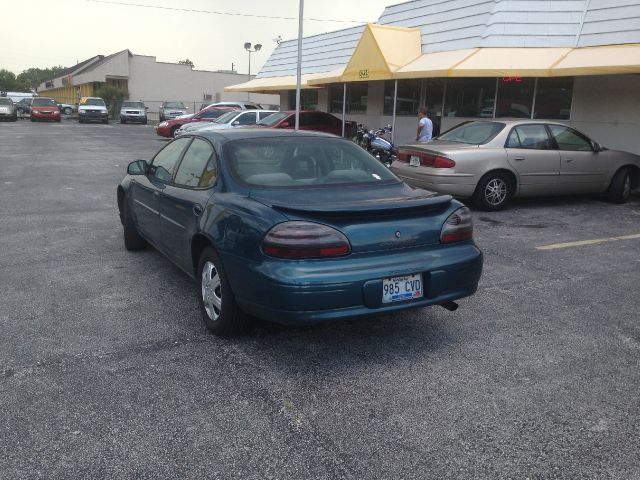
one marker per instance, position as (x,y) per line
(507,62)
(381,51)
(275,84)
(431,65)
(604,60)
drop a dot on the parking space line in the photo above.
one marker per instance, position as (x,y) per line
(595,241)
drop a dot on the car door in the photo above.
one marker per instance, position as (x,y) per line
(582,170)
(146,190)
(183,200)
(531,153)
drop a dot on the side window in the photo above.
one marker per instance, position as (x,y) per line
(264,114)
(246,119)
(306,120)
(165,161)
(568,139)
(530,137)
(192,168)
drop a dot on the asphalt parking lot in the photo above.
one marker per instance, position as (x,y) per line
(107,372)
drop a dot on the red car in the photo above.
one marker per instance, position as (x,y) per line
(43,108)
(168,128)
(310,120)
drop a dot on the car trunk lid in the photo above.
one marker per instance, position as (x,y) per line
(380,217)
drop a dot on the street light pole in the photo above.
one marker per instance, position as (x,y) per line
(299,67)
(256,48)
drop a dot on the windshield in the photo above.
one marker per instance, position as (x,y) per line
(44,102)
(133,104)
(303,162)
(227,117)
(473,133)
(97,102)
(5,101)
(271,120)
(179,105)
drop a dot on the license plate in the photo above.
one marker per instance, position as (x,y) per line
(397,289)
(414,161)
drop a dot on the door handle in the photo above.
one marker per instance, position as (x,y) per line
(197,210)
(519,159)
(568,160)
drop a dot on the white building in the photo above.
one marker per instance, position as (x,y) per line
(148,80)
(577,61)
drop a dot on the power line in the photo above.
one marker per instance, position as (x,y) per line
(214,12)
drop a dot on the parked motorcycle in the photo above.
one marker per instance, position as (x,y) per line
(376,144)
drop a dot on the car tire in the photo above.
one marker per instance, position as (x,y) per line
(220,312)
(174,131)
(14,119)
(32,119)
(58,120)
(68,111)
(620,188)
(144,122)
(493,192)
(106,122)
(123,121)
(133,241)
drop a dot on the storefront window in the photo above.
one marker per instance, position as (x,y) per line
(408,101)
(308,99)
(553,98)
(515,97)
(356,97)
(470,97)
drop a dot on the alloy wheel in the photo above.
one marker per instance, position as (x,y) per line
(211,291)
(496,191)
(626,188)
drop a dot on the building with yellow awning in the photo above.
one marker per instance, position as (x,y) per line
(576,61)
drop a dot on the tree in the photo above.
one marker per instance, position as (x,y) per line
(186,61)
(111,95)
(33,77)
(7,81)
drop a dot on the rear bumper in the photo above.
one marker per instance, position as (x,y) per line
(458,185)
(304,292)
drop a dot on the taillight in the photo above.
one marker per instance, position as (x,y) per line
(300,240)
(458,227)
(425,159)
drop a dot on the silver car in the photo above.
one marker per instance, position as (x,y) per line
(8,110)
(494,161)
(170,110)
(232,119)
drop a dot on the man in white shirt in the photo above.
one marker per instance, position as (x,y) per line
(425,127)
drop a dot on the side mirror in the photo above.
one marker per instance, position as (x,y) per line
(596,147)
(285,125)
(236,123)
(146,108)
(138,167)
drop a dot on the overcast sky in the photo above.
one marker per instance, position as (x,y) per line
(44,33)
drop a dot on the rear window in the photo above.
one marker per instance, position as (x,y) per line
(473,133)
(303,162)
(271,120)
(44,102)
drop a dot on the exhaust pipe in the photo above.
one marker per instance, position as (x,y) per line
(451,306)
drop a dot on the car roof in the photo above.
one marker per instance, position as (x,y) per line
(523,121)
